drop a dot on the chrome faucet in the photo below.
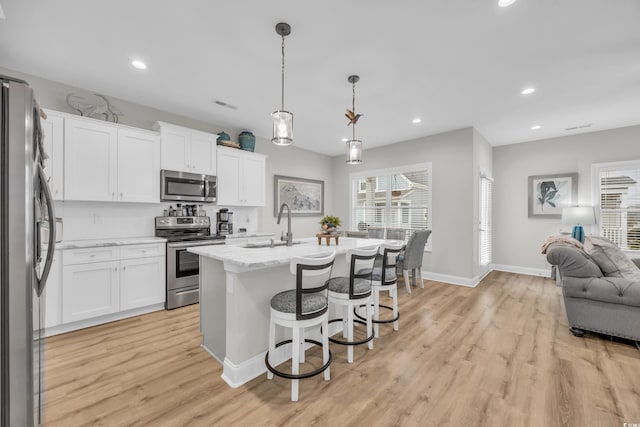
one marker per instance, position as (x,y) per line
(289,238)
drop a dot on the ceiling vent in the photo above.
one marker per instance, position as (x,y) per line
(588,125)
(224,104)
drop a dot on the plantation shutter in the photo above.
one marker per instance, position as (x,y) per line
(620,204)
(485,241)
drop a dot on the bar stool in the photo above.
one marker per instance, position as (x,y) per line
(350,292)
(300,308)
(384,278)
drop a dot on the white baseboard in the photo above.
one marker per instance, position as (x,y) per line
(522,270)
(87,323)
(236,375)
(453,280)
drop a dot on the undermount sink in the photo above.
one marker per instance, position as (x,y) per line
(276,243)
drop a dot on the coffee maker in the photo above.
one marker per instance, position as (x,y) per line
(224,222)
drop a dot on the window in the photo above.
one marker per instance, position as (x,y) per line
(485,249)
(617,198)
(392,198)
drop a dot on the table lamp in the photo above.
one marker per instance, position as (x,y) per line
(579,216)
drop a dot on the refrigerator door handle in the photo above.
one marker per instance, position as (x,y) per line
(52,230)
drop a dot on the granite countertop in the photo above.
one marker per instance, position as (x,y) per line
(248,234)
(117,241)
(255,258)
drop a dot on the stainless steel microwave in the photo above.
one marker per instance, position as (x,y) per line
(187,187)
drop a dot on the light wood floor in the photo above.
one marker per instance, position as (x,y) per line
(496,355)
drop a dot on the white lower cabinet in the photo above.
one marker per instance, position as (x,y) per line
(52,294)
(90,290)
(142,282)
(108,281)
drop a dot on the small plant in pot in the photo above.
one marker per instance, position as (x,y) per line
(330,224)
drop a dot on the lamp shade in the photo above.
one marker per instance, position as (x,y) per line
(582,215)
(354,151)
(282,127)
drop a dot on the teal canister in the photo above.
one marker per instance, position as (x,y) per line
(223,136)
(247,140)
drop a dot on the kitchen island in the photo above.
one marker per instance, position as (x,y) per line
(237,283)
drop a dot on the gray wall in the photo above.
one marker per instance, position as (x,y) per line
(451,155)
(289,161)
(517,238)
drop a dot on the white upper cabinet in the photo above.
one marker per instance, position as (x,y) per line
(138,166)
(187,150)
(90,156)
(53,129)
(108,162)
(241,178)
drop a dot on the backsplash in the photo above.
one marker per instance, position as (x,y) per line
(95,220)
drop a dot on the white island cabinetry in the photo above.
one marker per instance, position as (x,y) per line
(241,177)
(236,286)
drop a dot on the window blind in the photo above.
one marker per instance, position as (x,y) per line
(396,199)
(485,229)
(619,196)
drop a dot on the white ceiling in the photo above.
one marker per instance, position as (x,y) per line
(453,63)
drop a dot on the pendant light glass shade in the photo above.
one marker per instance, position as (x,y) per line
(282,127)
(354,152)
(282,119)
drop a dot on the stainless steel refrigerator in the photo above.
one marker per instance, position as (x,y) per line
(26,217)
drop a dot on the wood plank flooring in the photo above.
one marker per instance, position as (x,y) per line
(497,355)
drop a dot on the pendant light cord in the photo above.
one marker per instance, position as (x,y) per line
(353,109)
(282,73)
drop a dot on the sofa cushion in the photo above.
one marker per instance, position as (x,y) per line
(611,260)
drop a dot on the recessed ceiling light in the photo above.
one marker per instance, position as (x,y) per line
(528,91)
(345,139)
(416,120)
(505,3)
(139,64)
(535,127)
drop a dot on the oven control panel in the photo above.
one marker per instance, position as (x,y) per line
(182,222)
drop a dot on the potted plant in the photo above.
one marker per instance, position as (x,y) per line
(330,223)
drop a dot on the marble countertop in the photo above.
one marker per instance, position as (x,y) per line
(248,234)
(118,241)
(256,258)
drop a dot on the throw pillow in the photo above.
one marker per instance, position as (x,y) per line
(611,260)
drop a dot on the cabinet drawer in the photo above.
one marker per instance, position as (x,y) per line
(142,251)
(83,256)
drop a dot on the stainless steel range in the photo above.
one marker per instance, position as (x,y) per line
(183,270)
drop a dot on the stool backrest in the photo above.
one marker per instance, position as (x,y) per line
(389,252)
(396,233)
(312,277)
(360,259)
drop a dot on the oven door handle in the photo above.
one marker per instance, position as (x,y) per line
(185,245)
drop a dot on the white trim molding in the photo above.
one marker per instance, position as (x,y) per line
(544,272)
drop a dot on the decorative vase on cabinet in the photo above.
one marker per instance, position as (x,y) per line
(247,140)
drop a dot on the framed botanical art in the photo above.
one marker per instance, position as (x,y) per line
(305,197)
(548,194)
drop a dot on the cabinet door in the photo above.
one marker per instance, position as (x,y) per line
(229,164)
(142,282)
(53,293)
(253,182)
(138,166)
(90,290)
(175,149)
(53,129)
(90,160)
(203,153)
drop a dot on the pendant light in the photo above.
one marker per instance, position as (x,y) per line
(282,119)
(354,146)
